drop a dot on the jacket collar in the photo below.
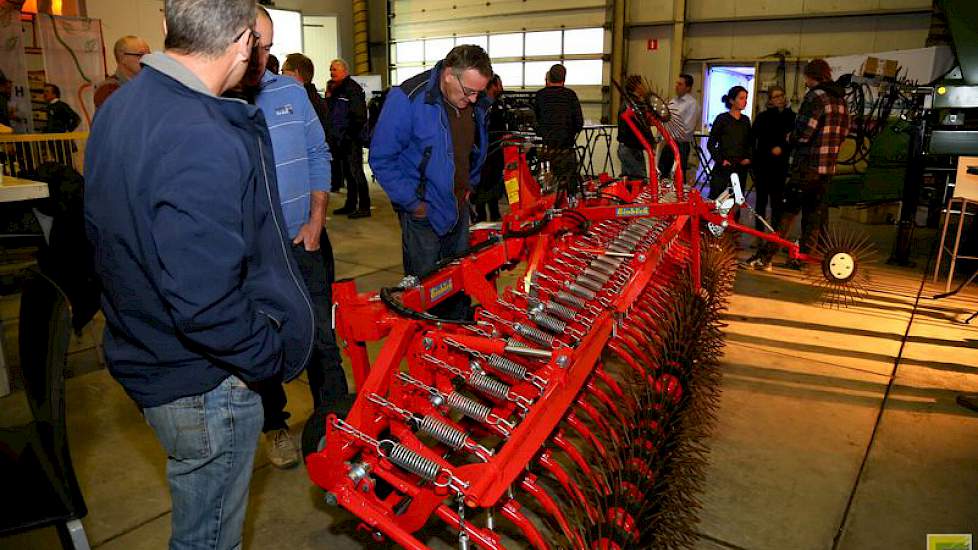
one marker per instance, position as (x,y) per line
(177,71)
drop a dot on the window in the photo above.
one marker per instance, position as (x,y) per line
(479,40)
(583,41)
(521,59)
(536,72)
(506,45)
(409,52)
(436,49)
(543,43)
(584,72)
(510,73)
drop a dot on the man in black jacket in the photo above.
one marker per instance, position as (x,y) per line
(200,293)
(347,108)
(61,117)
(559,120)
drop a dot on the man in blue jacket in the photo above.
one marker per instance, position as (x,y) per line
(201,294)
(427,152)
(302,169)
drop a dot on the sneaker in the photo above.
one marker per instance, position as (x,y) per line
(359,214)
(282,452)
(757,264)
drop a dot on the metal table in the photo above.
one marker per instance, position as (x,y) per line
(595,134)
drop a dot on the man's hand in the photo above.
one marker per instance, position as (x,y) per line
(309,236)
(726,162)
(421,212)
(744,162)
(776,151)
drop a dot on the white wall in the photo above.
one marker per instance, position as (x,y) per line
(750,31)
(121,17)
(145,18)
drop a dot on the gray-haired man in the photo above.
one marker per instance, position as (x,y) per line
(200,293)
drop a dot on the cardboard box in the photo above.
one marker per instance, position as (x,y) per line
(879,68)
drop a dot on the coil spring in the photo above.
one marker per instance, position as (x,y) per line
(604,269)
(609,261)
(534,334)
(506,366)
(569,299)
(468,406)
(449,435)
(549,323)
(590,283)
(560,310)
(413,462)
(581,291)
(488,385)
(596,275)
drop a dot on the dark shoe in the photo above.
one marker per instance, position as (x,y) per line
(757,264)
(359,214)
(344,211)
(794,264)
(968,401)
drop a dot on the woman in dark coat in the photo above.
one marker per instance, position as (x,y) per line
(730,142)
(771,129)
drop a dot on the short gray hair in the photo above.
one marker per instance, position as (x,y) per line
(346,67)
(205,27)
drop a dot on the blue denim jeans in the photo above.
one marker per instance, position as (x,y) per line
(210,442)
(423,249)
(632,162)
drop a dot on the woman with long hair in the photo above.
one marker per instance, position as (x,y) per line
(730,142)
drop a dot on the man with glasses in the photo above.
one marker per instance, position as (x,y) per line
(303,173)
(128,51)
(427,174)
(684,107)
(201,295)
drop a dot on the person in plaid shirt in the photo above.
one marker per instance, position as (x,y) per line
(820,128)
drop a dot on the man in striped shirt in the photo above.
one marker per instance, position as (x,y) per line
(821,126)
(302,165)
(559,120)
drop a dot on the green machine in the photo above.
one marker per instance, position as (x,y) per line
(955,99)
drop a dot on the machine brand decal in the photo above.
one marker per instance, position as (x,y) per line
(440,290)
(284,110)
(949,542)
(632,211)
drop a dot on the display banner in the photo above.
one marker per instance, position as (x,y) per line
(74,60)
(14,67)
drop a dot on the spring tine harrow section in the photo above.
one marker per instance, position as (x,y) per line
(570,410)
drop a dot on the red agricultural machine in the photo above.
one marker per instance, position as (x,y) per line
(570,410)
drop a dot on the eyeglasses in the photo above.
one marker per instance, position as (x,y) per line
(137,55)
(467,92)
(254,35)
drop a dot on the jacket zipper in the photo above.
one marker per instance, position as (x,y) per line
(285,254)
(443,118)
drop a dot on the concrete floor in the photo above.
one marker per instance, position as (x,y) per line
(838,429)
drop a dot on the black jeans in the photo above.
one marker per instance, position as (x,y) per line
(350,160)
(325,370)
(667,160)
(804,194)
(563,165)
(423,249)
(769,188)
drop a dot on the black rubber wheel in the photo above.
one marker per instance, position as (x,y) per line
(314,432)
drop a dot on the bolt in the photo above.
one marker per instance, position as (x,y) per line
(641,257)
(428,343)
(562,361)
(331,499)
(378,536)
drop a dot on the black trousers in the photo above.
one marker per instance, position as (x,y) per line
(349,158)
(563,165)
(667,160)
(804,194)
(325,370)
(769,189)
